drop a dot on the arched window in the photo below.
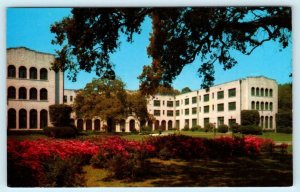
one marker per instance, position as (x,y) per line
(170,124)
(262,106)
(97,125)
(43,94)
(266,106)
(271,122)
(11,71)
(80,124)
(257,105)
(43,118)
(88,124)
(43,74)
(11,119)
(33,94)
(22,119)
(257,91)
(33,119)
(22,93)
(271,92)
(271,106)
(267,122)
(253,91)
(132,125)
(11,93)
(32,73)
(266,92)
(262,121)
(156,125)
(252,105)
(163,125)
(150,124)
(262,92)
(22,72)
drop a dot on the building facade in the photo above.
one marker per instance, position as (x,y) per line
(31,88)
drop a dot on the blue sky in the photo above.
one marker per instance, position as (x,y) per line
(30,27)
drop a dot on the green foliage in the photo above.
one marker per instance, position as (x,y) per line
(167,91)
(60,115)
(223,128)
(285,98)
(186,128)
(179,35)
(209,127)
(146,129)
(235,128)
(186,90)
(249,117)
(251,130)
(60,132)
(196,128)
(285,129)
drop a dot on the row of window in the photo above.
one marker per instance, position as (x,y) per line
(262,106)
(22,73)
(12,94)
(22,118)
(266,122)
(66,98)
(156,103)
(261,92)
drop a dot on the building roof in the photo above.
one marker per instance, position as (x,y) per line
(29,50)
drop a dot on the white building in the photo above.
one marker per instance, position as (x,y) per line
(31,88)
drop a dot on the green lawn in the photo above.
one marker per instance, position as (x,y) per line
(264,171)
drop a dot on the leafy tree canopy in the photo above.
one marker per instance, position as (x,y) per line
(179,36)
(167,91)
(186,90)
(285,98)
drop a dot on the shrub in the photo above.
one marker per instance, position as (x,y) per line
(209,127)
(186,128)
(251,129)
(146,129)
(196,128)
(60,115)
(284,119)
(223,128)
(287,130)
(235,128)
(249,117)
(60,132)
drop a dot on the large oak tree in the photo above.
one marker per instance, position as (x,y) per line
(179,37)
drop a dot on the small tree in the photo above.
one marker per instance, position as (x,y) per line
(249,117)
(60,115)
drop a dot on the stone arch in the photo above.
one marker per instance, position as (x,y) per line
(253,91)
(22,119)
(88,125)
(33,94)
(266,122)
(43,74)
(170,124)
(22,93)
(122,125)
(11,92)
(22,72)
(132,125)
(43,118)
(257,91)
(262,105)
(11,71)
(97,125)
(33,119)
(79,124)
(163,125)
(156,125)
(32,73)
(11,118)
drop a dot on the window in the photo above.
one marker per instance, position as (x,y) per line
(262,106)
(186,101)
(271,122)
(65,98)
(257,105)
(170,113)
(11,71)
(177,124)
(271,92)
(33,119)
(262,121)
(43,118)
(257,91)
(220,107)
(156,103)
(163,103)
(186,111)
(22,93)
(43,74)
(220,94)
(33,94)
(231,106)
(266,92)
(22,72)
(71,98)
(11,119)
(232,92)
(266,106)
(205,121)
(32,73)
(194,122)
(206,97)
(194,100)
(177,103)
(43,94)
(22,119)
(206,109)
(11,93)
(253,91)
(156,112)
(267,122)
(177,113)
(253,105)
(231,122)
(169,103)
(187,123)
(220,121)
(271,106)
(194,110)
(262,92)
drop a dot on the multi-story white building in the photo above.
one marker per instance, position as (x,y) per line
(31,88)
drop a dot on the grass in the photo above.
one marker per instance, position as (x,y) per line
(264,171)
